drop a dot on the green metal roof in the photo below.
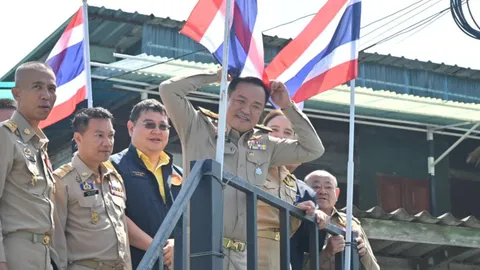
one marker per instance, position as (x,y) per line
(151,70)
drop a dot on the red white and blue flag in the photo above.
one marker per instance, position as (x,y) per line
(206,26)
(324,55)
(68,62)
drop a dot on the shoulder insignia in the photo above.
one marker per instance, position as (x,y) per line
(344,216)
(263,128)
(63,170)
(11,125)
(289,181)
(208,113)
(109,165)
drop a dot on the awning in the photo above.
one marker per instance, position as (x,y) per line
(148,71)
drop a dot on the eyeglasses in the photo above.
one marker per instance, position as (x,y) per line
(161,126)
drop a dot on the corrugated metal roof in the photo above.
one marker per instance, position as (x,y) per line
(122,30)
(154,69)
(423,217)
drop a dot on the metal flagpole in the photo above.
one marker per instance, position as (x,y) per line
(86,54)
(222,107)
(351,166)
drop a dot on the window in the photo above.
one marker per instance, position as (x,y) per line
(397,192)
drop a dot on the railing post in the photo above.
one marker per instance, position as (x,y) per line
(206,220)
(355,258)
(180,248)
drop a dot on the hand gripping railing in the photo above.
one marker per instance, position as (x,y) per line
(203,190)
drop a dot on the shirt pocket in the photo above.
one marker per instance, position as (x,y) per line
(257,167)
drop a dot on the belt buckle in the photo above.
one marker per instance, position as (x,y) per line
(277,236)
(46,240)
(240,247)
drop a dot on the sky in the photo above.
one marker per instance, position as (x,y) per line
(23,29)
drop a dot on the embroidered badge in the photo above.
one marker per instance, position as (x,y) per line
(95,217)
(289,182)
(139,174)
(87,186)
(116,188)
(256,145)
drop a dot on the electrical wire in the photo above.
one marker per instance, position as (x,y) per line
(443,13)
(394,13)
(401,15)
(409,18)
(461,21)
(410,28)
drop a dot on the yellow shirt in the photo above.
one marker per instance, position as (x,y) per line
(164,160)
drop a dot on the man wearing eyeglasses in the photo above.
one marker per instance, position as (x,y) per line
(151,180)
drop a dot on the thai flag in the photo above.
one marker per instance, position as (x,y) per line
(206,24)
(323,55)
(68,62)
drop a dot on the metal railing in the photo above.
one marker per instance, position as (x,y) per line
(203,190)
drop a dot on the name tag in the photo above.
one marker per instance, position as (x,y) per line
(90,193)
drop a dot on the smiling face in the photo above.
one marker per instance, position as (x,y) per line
(150,132)
(35,92)
(281,128)
(245,106)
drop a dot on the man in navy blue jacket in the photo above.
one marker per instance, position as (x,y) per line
(299,243)
(151,180)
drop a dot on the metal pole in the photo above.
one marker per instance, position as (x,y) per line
(86,54)
(431,171)
(222,107)
(350,174)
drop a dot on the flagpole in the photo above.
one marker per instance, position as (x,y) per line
(222,107)
(351,166)
(86,54)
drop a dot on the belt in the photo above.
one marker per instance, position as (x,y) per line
(99,265)
(34,237)
(273,235)
(233,245)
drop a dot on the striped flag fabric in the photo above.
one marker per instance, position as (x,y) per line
(324,55)
(205,25)
(68,63)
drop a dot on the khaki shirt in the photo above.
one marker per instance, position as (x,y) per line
(247,155)
(281,184)
(92,213)
(368,261)
(26,180)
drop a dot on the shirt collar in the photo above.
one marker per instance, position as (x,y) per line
(85,172)
(164,158)
(26,130)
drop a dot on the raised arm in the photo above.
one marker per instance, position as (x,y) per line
(173,93)
(307,146)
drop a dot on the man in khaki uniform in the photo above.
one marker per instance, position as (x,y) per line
(7,108)
(327,190)
(26,181)
(91,198)
(249,152)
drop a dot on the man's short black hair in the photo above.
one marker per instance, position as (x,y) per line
(6,103)
(146,105)
(251,80)
(82,118)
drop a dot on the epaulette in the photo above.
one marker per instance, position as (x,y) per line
(109,165)
(263,128)
(213,115)
(289,180)
(63,170)
(344,215)
(11,125)
(208,113)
